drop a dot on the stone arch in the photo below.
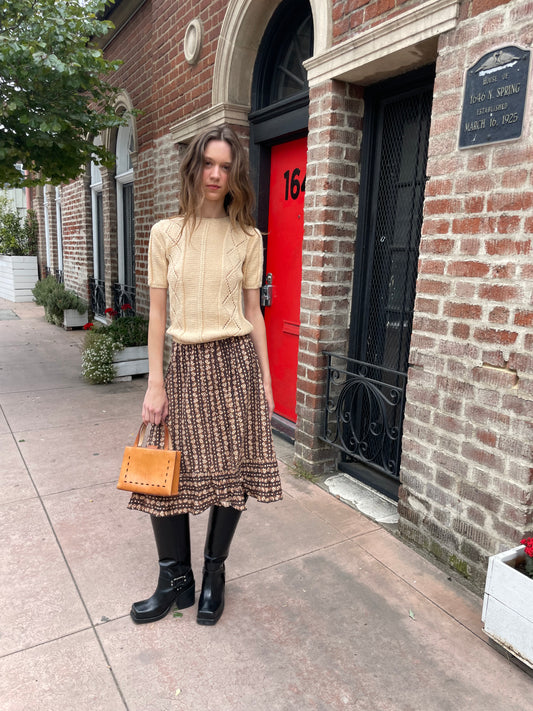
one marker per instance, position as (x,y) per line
(243,27)
(123,104)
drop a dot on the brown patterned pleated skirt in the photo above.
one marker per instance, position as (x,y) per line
(218,419)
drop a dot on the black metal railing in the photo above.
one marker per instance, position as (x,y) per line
(364,412)
(124,299)
(97,292)
(60,278)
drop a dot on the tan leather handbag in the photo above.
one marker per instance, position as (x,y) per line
(149,470)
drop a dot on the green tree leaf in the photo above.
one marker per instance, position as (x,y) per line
(56,90)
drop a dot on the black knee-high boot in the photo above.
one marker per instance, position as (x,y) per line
(176,580)
(222,524)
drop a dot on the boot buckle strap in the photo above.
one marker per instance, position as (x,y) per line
(176,582)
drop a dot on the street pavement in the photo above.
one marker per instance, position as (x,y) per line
(325,608)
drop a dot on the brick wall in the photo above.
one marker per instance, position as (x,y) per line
(77,236)
(350,16)
(468,432)
(332,184)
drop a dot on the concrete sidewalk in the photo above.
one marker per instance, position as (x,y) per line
(325,608)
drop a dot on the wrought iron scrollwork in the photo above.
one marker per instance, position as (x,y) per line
(124,296)
(364,411)
(97,291)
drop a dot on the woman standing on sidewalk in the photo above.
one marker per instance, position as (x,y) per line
(217,395)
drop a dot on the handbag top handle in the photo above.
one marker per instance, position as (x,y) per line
(141,433)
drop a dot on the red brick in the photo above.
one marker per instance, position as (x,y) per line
(461,330)
(436,246)
(477,161)
(491,335)
(511,202)
(438,186)
(474,204)
(498,292)
(463,311)
(499,315)
(428,306)
(506,245)
(431,266)
(430,325)
(426,286)
(470,246)
(503,271)
(435,226)
(446,206)
(524,318)
(494,377)
(469,225)
(468,269)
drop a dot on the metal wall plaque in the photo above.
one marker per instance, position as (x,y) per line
(494,98)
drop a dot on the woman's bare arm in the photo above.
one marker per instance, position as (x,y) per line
(155,405)
(252,313)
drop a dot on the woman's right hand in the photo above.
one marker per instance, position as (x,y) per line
(155,405)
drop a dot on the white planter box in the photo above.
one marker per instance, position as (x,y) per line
(18,276)
(73,319)
(508,605)
(131,361)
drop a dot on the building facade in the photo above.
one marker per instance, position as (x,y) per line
(397,206)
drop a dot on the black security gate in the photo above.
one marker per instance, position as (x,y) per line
(366,390)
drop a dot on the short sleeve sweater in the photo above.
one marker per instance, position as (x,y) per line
(205,272)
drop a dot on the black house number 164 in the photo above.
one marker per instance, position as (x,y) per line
(293,187)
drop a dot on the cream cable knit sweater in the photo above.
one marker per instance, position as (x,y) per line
(205,273)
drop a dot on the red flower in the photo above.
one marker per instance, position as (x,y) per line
(126,307)
(88,326)
(112,313)
(528,543)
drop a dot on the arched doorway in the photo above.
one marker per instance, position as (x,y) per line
(278,153)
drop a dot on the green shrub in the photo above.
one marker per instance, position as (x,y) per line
(128,331)
(18,235)
(41,290)
(102,342)
(55,299)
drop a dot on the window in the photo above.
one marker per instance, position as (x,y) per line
(98,219)
(125,207)
(286,44)
(97,283)
(59,235)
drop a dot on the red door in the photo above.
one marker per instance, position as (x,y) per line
(284,262)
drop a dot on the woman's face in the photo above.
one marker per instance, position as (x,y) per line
(217,164)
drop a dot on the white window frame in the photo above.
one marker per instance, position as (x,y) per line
(46,226)
(59,229)
(124,176)
(96,188)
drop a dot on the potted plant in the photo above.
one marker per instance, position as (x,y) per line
(117,350)
(61,306)
(18,249)
(508,601)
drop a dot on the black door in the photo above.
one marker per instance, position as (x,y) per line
(395,143)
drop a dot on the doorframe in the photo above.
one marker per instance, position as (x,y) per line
(268,128)
(372,136)
(395,88)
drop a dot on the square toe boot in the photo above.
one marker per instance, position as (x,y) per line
(176,580)
(221,528)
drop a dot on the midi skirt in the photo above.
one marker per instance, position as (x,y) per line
(218,420)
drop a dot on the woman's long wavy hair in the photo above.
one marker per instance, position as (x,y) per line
(239,201)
